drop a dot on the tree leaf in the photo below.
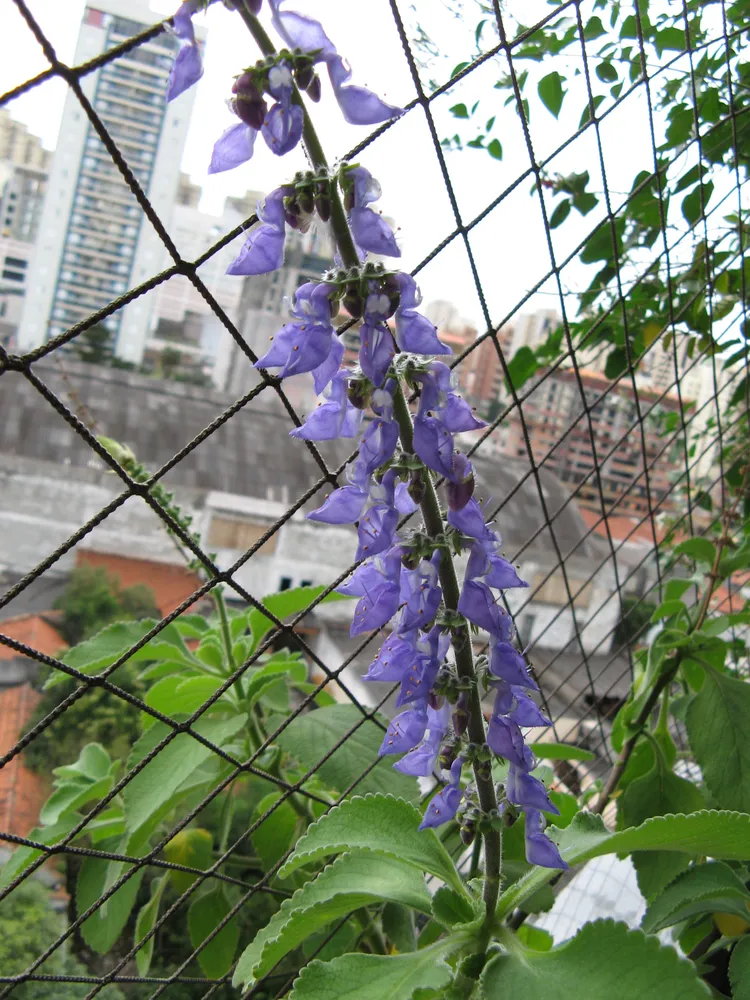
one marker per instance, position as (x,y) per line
(702,889)
(604,959)
(172,765)
(449,908)
(274,836)
(606,72)
(146,919)
(495,149)
(71,795)
(551,92)
(312,735)
(22,857)
(284,604)
(739,970)
(700,549)
(616,364)
(352,881)
(459,111)
(373,977)
(205,914)
(379,823)
(560,214)
(522,366)
(560,751)
(398,927)
(717,724)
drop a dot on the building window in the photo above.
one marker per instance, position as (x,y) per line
(13,275)
(306,583)
(15,262)
(237,533)
(285,583)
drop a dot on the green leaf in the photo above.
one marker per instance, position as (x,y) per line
(739,970)
(703,889)
(616,364)
(718,724)
(275,835)
(560,214)
(459,111)
(594,29)
(721,835)
(107,922)
(700,549)
(283,605)
(191,847)
(495,149)
(204,916)
(146,919)
(586,116)
(101,651)
(93,762)
(551,92)
(22,857)
(691,203)
(312,735)
(667,609)
(606,72)
(379,823)
(373,977)
(534,937)
(398,927)
(70,796)
(604,959)
(352,881)
(172,765)
(522,366)
(265,677)
(560,751)
(449,908)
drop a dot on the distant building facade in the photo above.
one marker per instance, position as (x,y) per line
(95,241)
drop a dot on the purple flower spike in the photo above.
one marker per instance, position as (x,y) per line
(506,740)
(470,521)
(420,590)
(343,506)
(376,344)
(540,850)
(478,604)
(393,660)
(377,582)
(420,762)
(188,66)
(358,104)
(527,712)
(376,530)
(526,791)
(282,128)
(444,805)
(233,147)
(414,332)
(335,417)
(264,249)
(405,731)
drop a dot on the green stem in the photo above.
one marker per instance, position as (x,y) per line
(226,635)
(430,513)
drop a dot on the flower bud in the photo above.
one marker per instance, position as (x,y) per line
(359,393)
(349,199)
(435,700)
(468,832)
(323,201)
(447,755)
(352,302)
(254,6)
(461,714)
(304,75)
(249,104)
(410,559)
(416,487)
(313,88)
(306,201)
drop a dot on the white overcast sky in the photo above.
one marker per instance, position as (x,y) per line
(509,246)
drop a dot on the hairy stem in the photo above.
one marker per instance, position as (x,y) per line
(430,512)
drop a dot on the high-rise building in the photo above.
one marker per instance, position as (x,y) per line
(95,241)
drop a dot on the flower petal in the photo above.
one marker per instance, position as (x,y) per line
(186,70)
(233,147)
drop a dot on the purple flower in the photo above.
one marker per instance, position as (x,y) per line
(323,374)
(381,437)
(506,740)
(306,342)
(233,147)
(376,530)
(420,762)
(302,32)
(437,396)
(460,485)
(405,731)
(509,665)
(264,248)
(478,604)
(188,66)
(444,805)
(494,569)
(394,658)
(377,345)
(333,418)
(428,654)
(526,711)
(370,230)
(358,104)
(433,444)
(414,332)
(526,791)
(376,582)
(420,590)
(470,521)
(282,128)
(540,850)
